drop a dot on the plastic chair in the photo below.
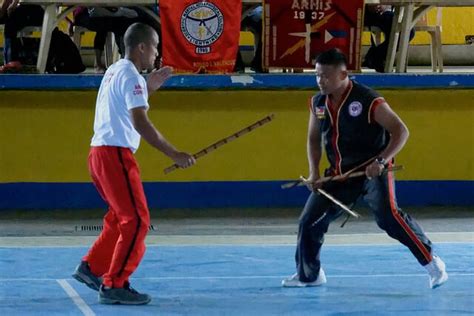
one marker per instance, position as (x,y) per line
(435,35)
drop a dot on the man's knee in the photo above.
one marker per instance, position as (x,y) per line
(386,222)
(382,223)
(132,227)
(318,223)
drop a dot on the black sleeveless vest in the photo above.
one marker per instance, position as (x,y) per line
(350,136)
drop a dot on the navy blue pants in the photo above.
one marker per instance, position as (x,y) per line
(379,193)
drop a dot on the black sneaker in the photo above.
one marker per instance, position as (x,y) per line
(125,296)
(84,275)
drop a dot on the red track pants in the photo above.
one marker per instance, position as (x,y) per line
(120,247)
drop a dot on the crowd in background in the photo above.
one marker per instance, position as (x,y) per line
(103,20)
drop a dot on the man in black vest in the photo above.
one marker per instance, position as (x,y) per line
(359,132)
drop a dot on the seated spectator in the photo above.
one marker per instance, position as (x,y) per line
(380,16)
(102,21)
(252,22)
(16,17)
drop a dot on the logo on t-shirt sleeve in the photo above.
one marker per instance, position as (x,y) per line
(320,112)
(138,90)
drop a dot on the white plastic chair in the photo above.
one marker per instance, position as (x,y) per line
(435,35)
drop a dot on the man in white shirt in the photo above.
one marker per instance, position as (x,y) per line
(120,121)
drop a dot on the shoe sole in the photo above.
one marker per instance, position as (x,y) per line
(441,283)
(109,301)
(81,277)
(301,284)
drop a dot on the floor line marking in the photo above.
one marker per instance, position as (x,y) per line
(75,297)
(332,276)
(268,245)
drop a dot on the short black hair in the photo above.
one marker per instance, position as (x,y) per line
(333,57)
(138,33)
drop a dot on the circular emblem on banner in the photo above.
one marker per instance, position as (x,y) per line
(355,108)
(202,23)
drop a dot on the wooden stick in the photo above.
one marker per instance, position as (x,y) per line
(300,182)
(225,140)
(339,203)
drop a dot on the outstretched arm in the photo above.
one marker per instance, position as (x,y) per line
(145,128)
(157,77)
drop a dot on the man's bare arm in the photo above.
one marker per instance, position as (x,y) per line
(147,130)
(389,120)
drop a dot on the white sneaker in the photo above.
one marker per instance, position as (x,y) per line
(437,272)
(294,280)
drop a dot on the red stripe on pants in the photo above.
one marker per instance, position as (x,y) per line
(425,252)
(118,250)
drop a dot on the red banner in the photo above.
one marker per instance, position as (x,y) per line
(200,36)
(296,31)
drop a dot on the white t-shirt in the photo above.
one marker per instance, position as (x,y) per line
(121,89)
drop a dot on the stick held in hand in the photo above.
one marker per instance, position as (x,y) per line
(299,182)
(225,140)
